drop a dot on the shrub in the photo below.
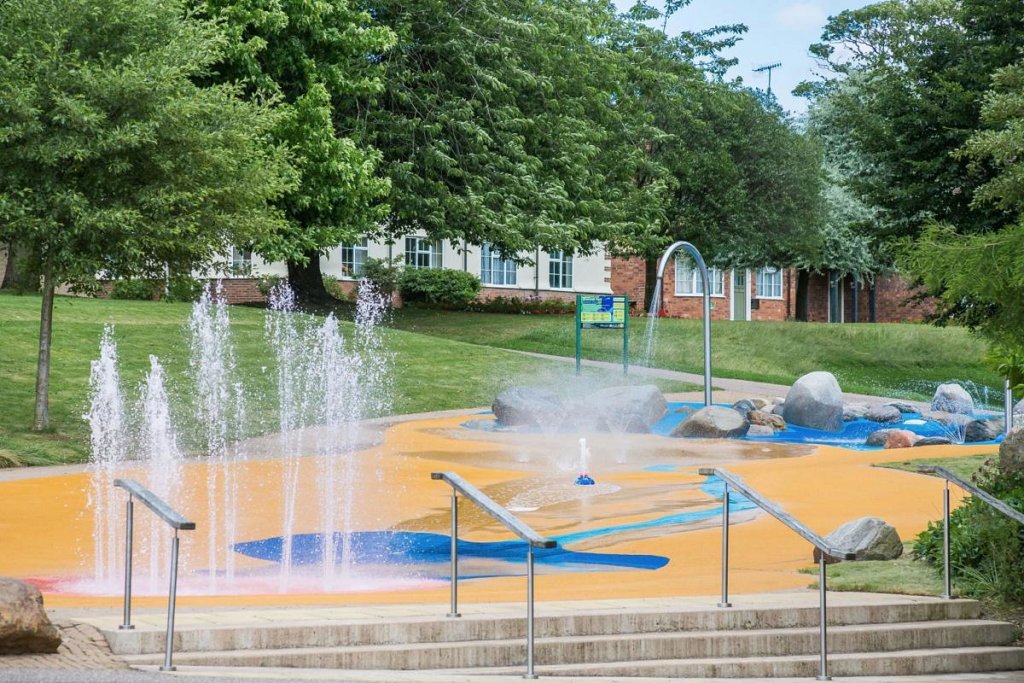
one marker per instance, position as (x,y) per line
(986,548)
(183,288)
(139,290)
(439,286)
(335,288)
(265,283)
(385,274)
(527,305)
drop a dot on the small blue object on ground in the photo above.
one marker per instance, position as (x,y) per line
(585,480)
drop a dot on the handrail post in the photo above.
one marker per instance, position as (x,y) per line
(529,614)
(1007,407)
(171,598)
(947,579)
(455,556)
(129,519)
(725,548)
(823,620)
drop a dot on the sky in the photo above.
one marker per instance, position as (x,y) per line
(778,31)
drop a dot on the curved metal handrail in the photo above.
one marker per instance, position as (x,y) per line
(512,523)
(177,522)
(983,496)
(778,513)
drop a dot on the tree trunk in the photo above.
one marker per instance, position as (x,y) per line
(307,281)
(650,279)
(803,282)
(42,421)
(15,258)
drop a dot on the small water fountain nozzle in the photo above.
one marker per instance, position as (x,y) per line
(585,480)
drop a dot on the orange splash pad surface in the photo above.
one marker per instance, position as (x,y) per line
(46,522)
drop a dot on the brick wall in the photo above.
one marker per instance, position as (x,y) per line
(892,301)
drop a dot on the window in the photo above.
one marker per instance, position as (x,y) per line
(560,270)
(422,253)
(241,261)
(495,270)
(690,283)
(769,283)
(353,259)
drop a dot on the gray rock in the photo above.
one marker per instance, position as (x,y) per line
(529,406)
(815,401)
(760,430)
(933,441)
(759,403)
(854,411)
(952,398)
(1019,408)
(743,407)
(759,417)
(778,409)
(868,538)
(630,409)
(904,407)
(984,429)
(878,437)
(1011,452)
(24,626)
(685,411)
(713,422)
(948,419)
(886,413)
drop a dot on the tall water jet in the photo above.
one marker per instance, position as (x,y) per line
(158,447)
(108,437)
(212,365)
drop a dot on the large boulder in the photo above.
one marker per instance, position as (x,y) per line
(985,429)
(1011,452)
(901,438)
(713,422)
(952,398)
(529,406)
(886,414)
(815,401)
(878,437)
(24,626)
(868,538)
(626,409)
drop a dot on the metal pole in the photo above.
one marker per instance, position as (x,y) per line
(725,549)
(130,516)
(707,339)
(455,556)
(625,340)
(1008,408)
(529,614)
(823,620)
(171,599)
(579,334)
(947,583)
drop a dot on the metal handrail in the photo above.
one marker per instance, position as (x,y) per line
(177,522)
(983,496)
(778,513)
(510,522)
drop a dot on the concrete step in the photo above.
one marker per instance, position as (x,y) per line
(285,632)
(960,660)
(593,650)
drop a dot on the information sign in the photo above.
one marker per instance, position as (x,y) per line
(605,312)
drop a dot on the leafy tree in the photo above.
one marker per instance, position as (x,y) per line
(114,160)
(313,59)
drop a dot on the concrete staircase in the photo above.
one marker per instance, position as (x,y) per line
(766,636)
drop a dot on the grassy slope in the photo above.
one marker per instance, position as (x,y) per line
(430,373)
(883,359)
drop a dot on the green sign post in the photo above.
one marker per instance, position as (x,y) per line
(604,312)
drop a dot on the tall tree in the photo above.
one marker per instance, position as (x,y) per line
(313,59)
(114,160)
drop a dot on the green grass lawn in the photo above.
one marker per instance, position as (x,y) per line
(897,360)
(430,373)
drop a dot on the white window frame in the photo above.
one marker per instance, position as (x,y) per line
(353,259)
(560,270)
(690,283)
(241,262)
(496,271)
(422,252)
(775,274)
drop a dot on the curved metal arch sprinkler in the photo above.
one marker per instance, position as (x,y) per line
(699,260)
